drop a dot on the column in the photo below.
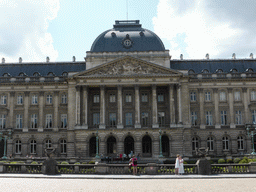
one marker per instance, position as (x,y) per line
(137,107)
(154,108)
(11,105)
(26,103)
(102,108)
(119,107)
(56,109)
(41,111)
(246,108)
(216,108)
(179,100)
(231,108)
(201,99)
(78,122)
(85,112)
(171,105)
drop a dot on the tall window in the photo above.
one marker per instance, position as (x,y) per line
(48,122)
(144,117)
(223,117)
(112,98)
(161,119)
(34,99)
(222,96)
(33,147)
(64,120)
(225,143)
(19,99)
(192,96)
(112,119)
(238,117)
(128,119)
(195,143)
(193,118)
(18,147)
(49,99)
(237,96)
(210,143)
(3,99)
(34,121)
(253,95)
(96,118)
(64,99)
(2,121)
(208,118)
(96,98)
(160,97)
(240,143)
(207,96)
(63,146)
(18,121)
(48,143)
(144,97)
(254,116)
(128,98)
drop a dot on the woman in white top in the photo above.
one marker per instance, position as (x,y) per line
(181,168)
(177,165)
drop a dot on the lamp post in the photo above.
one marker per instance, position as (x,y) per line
(97,146)
(251,132)
(5,136)
(160,144)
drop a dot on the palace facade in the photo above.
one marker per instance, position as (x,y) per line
(130,95)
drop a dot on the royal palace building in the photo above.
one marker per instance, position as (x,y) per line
(128,95)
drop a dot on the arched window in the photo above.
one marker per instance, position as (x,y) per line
(219,71)
(22,74)
(249,70)
(48,143)
(18,147)
(6,75)
(50,74)
(147,146)
(225,143)
(195,143)
(234,70)
(240,143)
(165,146)
(33,147)
(92,147)
(36,74)
(191,71)
(205,71)
(111,145)
(63,146)
(210,143)
(65,74)
(128,145)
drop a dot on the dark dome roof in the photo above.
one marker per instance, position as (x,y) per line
(127,36)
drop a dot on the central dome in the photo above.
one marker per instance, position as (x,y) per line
(127,36)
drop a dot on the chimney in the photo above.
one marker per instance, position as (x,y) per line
(3,60)
(251,55)
(20,60)
(181,56)
(233,56)
(207,56)
(74,59)
(47,59)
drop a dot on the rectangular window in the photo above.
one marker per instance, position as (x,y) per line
(253,95)
(48,122)
(49,99)
(254,116)
(128,98)
(237,96)
(222,96)
(112,119)
(96,118)
(161,119)
(64,120)
(128,119)
(208,118)
(19,99)
(96,98)
(223,117)
(18,121)
(64,99)
(112,98)
(160,97)
(34,99)
(34,121)
(238,117)
(144,117)
(2,121)
(193,96)
(193,118)
(3,100)
(207,96)
(144,97)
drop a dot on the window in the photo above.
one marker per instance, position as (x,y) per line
(128,119)
(238,117)
(65,74)
(237,96)
(18,147)
(144,117)
(222,96)
(223,117)
(33,147)
(49,99)
(96,118)
(34,99)
(48,122)
(144,97)
(19,99)
(96,98)
(112,119)
(225,143)
(210,143)
(193,96)
(128,98)
(48,143)
(51,74)
(207,96)
(160,97)
(2,121)
(34,121)
(112,98)
(64,120)
(195,143)
(18,121)
(161,119)
(208,118)
(253,95)
(193,118)
(63,146)
(3,99)
(254,116)
(36,74)
(64,99)
(240,143)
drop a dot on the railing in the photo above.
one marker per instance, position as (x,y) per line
(170,169)
(230,168)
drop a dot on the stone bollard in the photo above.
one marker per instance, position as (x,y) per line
(101,168)
(151,169)
(23,169)
(2,168)
(204,167)
(49,167)
(76,169)
(252,167)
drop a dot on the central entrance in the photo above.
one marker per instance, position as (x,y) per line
(128,145)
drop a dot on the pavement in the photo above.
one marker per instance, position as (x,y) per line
(91,176)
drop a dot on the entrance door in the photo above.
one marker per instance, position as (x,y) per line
(92,147)
(165,146)
(128,145)
(1,148)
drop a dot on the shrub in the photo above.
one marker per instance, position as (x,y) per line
(221,161)
(77,163)
(243,161)
(91,162)
(84,163)
(229,161)
(34,163)
(185,162)
(64,163)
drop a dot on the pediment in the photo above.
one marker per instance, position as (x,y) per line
(128,66)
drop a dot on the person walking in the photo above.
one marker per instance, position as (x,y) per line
(134,164)
(177,165)
(181,168)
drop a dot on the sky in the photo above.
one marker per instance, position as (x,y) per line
(61,29)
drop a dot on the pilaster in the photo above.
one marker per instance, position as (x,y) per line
(41,109)
(171,105)
(26,103)
(56,109)
(201,101)
(231,108)
(154,108)
(78,120)
(102,108)
(119,107)
(11,104)
(216,108)
(246,108)
(137,107)
(85,112)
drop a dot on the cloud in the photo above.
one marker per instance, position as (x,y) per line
(217,27)
(23,29)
